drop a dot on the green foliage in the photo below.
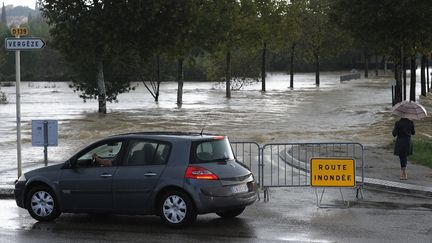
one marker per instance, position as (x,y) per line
(320,36)
(46,64)
(87,33)
(127,35)
(387,24)
(291,18)
(422,152)
(4,55)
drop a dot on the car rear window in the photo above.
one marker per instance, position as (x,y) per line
(213,150)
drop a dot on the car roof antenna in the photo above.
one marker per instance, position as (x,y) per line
(202,130)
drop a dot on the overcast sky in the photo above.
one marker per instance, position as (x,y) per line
(28,3)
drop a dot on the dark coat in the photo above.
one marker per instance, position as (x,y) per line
(403,129)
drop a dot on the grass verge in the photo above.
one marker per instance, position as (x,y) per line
(422,152)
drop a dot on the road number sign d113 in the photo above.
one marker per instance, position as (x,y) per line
(332,172)
(19,31)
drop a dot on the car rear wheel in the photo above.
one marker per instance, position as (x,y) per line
(231,213)
(42,204)
(176,209)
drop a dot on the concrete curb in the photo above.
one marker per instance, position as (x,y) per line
(403,188)
(370,183)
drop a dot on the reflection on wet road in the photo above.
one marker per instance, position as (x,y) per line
(290,216)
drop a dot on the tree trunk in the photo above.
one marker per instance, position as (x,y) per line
(376,65)
(384,64)
(366,67)
(317,69)
(158,76)
(398,77)
(263,67)
(404,73)
(292,66)
(101,86)
(423,76)
(413,79)
(427,73)
(180,82)
(228,75)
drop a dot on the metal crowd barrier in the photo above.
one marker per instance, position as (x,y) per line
(287,164)
(249,153)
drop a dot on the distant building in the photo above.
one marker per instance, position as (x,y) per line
(18,15)
(17,20)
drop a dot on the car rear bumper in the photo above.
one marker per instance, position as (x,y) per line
(19,194)
(215,200)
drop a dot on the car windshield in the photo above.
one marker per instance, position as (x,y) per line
(212,151)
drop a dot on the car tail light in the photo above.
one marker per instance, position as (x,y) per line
(218,137)
(200,173)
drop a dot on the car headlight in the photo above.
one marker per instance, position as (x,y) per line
(22,178)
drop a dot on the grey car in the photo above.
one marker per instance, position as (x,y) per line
(174,175)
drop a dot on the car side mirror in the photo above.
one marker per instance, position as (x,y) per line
(69,164)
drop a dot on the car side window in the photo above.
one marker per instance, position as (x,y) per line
(107,152)
(146,153)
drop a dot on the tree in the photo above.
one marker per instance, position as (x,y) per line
(47,64)
(321,36)
(167,28)
(3,16)
(269,21)
(181,24)
(226,26)
(390,26)
(91,37)
(290,30)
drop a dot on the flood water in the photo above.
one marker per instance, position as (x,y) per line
(334,111)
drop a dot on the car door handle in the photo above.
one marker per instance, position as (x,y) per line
(106,175)
(150,174)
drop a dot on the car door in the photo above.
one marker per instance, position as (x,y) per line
(87,186)
(133,183)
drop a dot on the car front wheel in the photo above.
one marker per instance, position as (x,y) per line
(231,213)
(176,209)
(42,204)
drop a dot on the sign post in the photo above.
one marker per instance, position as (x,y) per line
(18,106)
(17,44)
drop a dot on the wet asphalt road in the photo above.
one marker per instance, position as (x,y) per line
(290,216)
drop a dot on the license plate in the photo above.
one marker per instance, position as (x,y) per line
(239,188)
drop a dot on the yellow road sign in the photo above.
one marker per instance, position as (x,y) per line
(332,172)
(19,31)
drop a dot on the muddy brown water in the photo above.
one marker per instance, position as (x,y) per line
(353,111)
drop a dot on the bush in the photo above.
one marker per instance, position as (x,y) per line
(422,153)
(3,98)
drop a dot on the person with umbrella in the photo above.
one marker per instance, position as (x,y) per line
(404,129)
